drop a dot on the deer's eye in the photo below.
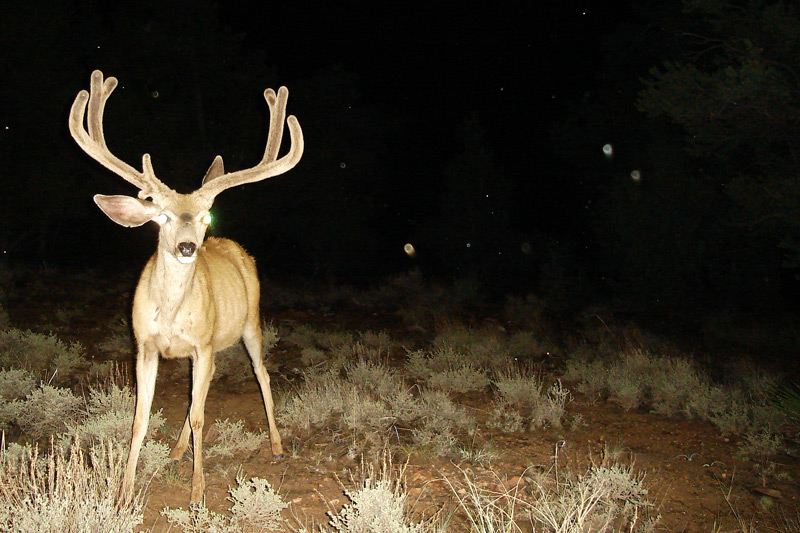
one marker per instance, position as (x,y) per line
(206,219)
(162,218)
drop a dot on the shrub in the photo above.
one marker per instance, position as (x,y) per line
(120,344)
(66,493)
(517,389)
(446,369)
(373,376)
(256,507)
(550,410)
(199,519)
(521,399)
(230,438)
(438,422)
(607,497)
(377,506)
(108,413)
(16,383)
(320,398)
(44,355)
(505,417)
(45,411)
(462,379)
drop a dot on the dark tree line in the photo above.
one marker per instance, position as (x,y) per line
(701,99)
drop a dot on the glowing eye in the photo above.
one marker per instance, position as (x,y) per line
(206,219)
(162,218)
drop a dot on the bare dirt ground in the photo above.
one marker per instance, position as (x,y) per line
(694,475)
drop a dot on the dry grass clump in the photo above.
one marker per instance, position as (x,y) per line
(66,492)
(606,497)
(108,414)
(447,369)
(522,402)
(230,438)
(378,505)
(371,399)
(671,386)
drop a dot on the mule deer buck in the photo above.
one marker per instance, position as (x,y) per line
(194,298)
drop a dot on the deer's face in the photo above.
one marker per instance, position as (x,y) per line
(183,220)
(183,225)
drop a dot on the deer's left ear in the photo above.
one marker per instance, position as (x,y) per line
(126,210)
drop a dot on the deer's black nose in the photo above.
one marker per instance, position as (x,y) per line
(187,248)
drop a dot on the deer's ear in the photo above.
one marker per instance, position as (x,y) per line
(216,170)
(126,210)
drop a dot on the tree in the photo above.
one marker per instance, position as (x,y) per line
(736,96)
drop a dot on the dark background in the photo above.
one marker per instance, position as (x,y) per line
(475,133)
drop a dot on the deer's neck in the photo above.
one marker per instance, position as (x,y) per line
(171,283)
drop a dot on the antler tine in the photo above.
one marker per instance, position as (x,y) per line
(277,114)
(269,166)
(93,141)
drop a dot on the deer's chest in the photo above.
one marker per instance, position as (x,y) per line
(175,336)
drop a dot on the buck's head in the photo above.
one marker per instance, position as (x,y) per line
(183,218)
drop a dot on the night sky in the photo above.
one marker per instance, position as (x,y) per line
(475,132)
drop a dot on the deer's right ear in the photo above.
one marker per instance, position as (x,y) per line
(216,170)
(126,210)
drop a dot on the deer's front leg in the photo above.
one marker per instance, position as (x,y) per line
(202,372)
(146,370)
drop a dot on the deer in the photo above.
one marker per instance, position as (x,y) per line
(196,296)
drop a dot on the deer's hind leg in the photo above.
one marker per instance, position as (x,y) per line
(252,341)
